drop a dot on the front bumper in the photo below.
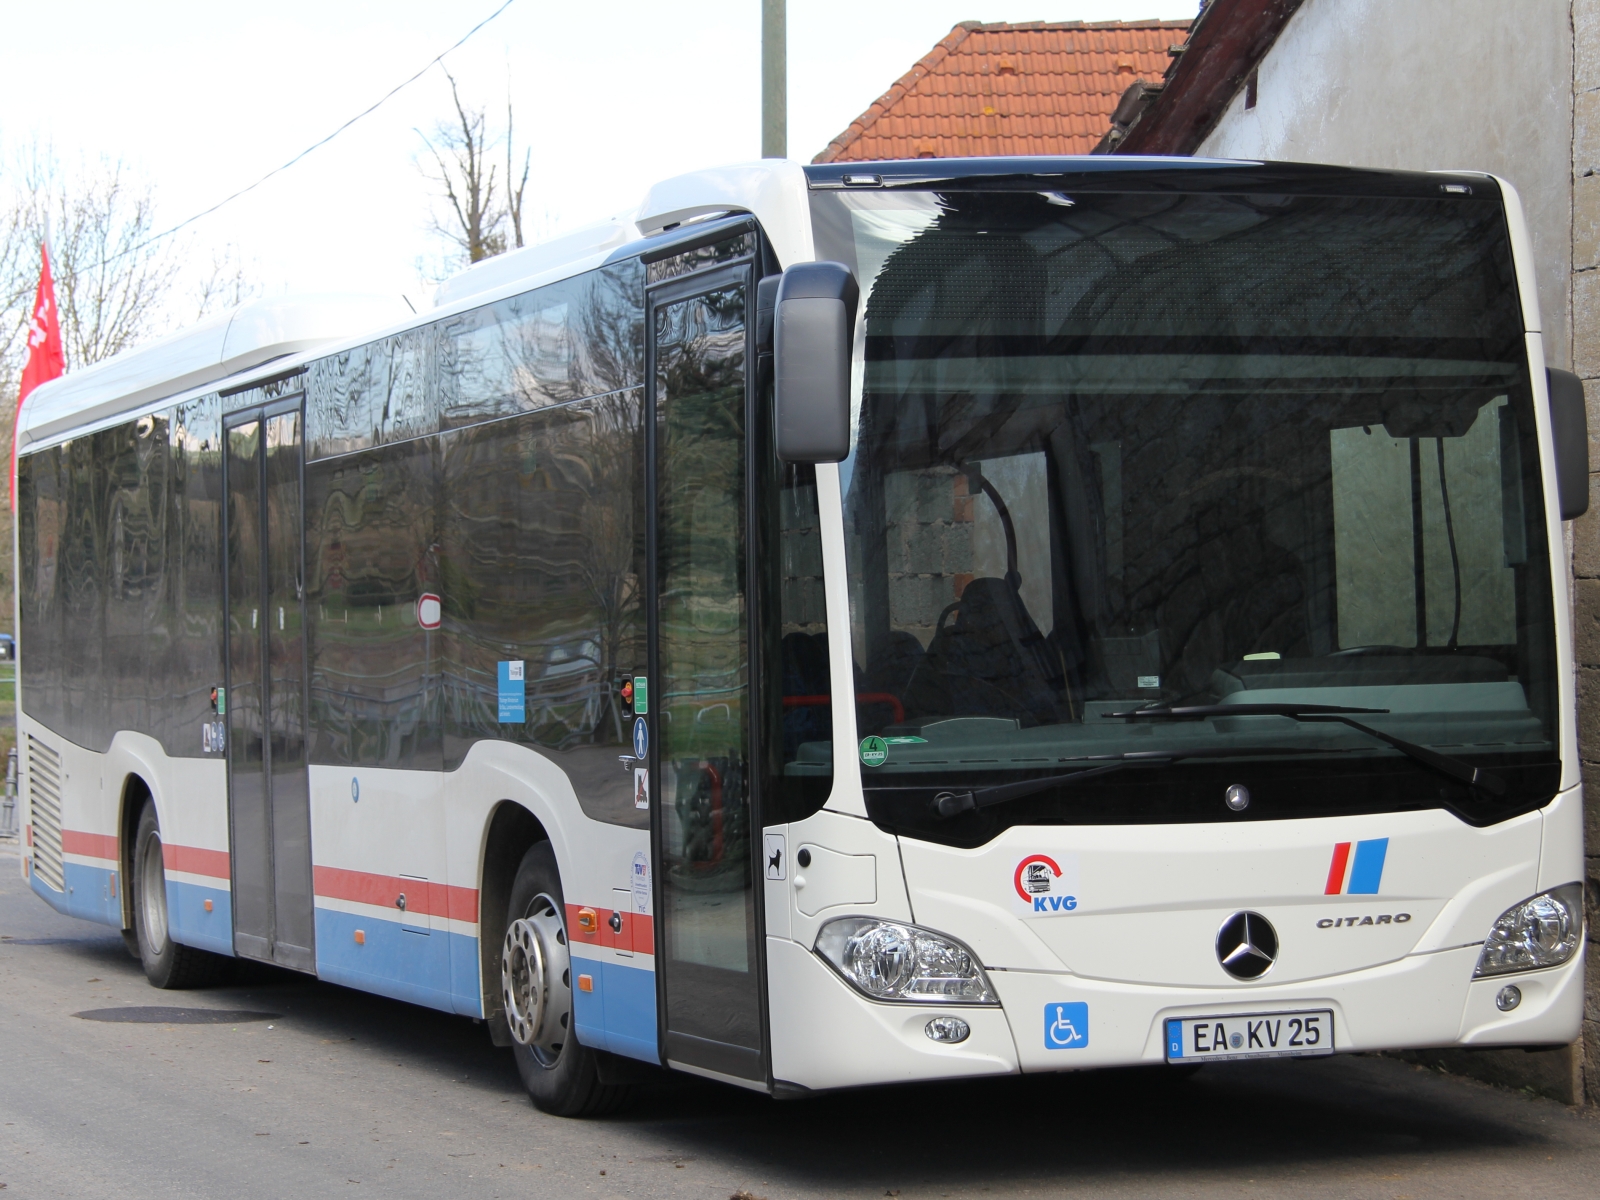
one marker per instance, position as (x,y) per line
(824,1035)
(1420,1000)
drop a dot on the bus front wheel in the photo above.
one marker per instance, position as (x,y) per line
(536,987)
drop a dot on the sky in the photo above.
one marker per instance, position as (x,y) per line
(201,97)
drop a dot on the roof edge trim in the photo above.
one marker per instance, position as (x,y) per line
(1228,39)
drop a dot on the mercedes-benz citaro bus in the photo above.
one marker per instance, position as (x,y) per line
(841,625)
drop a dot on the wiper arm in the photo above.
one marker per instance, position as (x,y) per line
(953,804)
(1199,711)
(1446,764)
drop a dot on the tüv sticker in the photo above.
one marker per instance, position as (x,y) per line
(640,881)
(1045,886)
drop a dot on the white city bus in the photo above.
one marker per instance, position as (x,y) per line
(846,624)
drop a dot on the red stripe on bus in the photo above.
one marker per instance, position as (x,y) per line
(90,845)
(194,860)
(423,897)
(638,929)
(1341,859)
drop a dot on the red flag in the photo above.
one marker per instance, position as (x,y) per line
(45,357)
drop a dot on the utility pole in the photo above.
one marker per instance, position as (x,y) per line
(774,80)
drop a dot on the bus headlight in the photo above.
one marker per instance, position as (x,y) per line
(888,960)
(1542,931)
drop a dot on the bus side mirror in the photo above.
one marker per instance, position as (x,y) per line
(1569,430)
(814,328)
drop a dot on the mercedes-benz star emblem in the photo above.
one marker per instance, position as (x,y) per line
(1247,945)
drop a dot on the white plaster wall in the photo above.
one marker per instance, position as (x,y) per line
(1481,85)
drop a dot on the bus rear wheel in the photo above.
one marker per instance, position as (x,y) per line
(561,1075)
(167,964)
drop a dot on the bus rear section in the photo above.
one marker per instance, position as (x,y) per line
(1208,624)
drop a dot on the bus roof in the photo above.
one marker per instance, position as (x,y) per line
(248,336)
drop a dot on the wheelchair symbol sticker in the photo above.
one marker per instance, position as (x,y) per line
(1066,1026)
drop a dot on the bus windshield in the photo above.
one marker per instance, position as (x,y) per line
(1116,451)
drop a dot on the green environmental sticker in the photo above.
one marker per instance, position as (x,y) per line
(904,741)
(874,751)
(641,695)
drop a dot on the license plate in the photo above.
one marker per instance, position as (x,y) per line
(1250,1035)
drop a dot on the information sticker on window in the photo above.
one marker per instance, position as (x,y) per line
(513,694)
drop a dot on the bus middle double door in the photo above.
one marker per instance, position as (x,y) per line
(268,795)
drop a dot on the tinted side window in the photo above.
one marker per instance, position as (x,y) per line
(194,571)
(801,709)
(371,395)
(135,655)
(369,556)
(542,564)
(41,531)
(580,337)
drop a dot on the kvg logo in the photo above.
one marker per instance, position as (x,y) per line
(1043,886)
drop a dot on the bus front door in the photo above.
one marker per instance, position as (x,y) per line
(700,715)
(268,800)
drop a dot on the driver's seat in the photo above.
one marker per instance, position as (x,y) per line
(989,661)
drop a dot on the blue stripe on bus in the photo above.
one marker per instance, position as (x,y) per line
(191,925)
(1367,871)
(619,1015)
(88,895)
(394,961)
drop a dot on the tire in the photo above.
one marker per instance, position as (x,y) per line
(167,964)
(561,1075)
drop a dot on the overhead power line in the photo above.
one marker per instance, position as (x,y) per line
(368,111)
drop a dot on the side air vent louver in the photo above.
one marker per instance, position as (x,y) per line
(44,805)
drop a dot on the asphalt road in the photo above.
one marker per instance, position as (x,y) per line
(341,1093)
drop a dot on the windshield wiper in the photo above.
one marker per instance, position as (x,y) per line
(953,804)
(1446,764)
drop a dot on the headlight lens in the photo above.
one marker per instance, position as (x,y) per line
(886,960)
(1543,931)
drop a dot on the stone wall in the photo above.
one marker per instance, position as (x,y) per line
(1478,85)
(1585,532)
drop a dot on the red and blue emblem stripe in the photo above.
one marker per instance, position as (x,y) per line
(1357,874)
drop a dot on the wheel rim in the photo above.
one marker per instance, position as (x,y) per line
(535,980)
(153,894)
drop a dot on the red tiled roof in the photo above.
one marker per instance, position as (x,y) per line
(1035,88)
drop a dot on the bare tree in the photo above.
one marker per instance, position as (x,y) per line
(479,207)
(111,284)
(464,172)
(226,285)
(514,194)
(115,285)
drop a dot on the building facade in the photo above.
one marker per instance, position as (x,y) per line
(1513,89)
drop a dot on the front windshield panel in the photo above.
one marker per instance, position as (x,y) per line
(1123,450)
